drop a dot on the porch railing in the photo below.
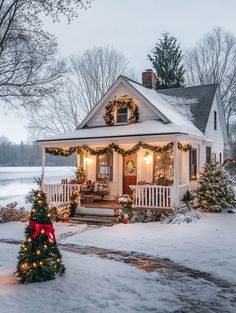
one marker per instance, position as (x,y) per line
(152,196)
(59,193)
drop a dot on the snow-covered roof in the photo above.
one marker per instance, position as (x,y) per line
(175,120)
(150,127)
(175,114)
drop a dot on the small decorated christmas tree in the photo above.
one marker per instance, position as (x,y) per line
(39,258)
(215,191)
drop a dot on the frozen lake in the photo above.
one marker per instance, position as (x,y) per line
(16,182)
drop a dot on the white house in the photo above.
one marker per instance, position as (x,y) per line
(155,142)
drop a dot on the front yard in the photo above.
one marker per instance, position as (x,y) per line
(93,284)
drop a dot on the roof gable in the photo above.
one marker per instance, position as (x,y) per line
(155,112)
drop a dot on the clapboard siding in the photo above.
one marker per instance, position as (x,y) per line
(144,112)
(215,136)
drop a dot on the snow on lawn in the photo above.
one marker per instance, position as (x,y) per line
(15,230)
(89,285)
(208,245)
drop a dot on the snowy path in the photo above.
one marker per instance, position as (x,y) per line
(219,295)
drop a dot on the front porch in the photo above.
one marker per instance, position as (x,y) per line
(157,173)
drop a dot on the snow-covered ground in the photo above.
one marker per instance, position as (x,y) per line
(207,245)
(92,284)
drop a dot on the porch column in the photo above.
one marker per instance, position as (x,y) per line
(175,193)
(43,168)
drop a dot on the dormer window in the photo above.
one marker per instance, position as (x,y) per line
(122,114)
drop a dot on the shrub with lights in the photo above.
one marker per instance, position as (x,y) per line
(39,258)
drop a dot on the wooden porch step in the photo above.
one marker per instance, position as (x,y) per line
(95,211)
(94,219)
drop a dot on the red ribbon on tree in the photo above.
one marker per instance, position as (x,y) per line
(46,228)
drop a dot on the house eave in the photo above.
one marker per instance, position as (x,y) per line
(104,137)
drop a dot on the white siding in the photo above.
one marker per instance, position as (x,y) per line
(144,112)
(215,137)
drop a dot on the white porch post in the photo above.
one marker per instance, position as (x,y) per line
(43,168)
(175,193)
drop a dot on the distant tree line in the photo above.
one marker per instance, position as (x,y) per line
(22,154)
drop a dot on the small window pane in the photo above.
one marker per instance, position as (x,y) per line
(208,154)
(193,164)
(105,166)
(163,168)
(122,115)
(215,120)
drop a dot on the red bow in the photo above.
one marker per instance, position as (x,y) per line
(46,228)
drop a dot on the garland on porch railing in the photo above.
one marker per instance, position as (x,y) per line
(117,148)
(229,162)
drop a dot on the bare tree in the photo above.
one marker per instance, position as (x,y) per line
(94,71)
(28,68)
(57,115)
(213,60)
(89,76)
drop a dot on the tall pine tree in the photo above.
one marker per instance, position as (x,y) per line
(166,59)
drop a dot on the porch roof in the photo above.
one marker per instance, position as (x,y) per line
(145,128)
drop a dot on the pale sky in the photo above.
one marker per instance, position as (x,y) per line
(133,27)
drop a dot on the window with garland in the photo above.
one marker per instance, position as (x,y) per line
(122,114)
(163,168)
(105,166)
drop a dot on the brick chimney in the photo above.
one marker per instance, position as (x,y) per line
(149,79)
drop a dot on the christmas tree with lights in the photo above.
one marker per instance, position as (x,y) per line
(215,192)
(39,258)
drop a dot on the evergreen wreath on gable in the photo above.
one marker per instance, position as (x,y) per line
(109,116)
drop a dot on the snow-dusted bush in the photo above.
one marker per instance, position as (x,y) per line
(182,215)
(10,213)
(147,216)
(215,191)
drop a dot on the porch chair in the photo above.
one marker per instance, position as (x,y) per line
(102,187)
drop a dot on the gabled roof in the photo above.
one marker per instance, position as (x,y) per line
(200,107)
(168,116)
(127,82)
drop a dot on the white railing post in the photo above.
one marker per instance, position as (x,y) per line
(60,193)
(153,196)
(175,193)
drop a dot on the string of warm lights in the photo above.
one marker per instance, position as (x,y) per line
(229,161)
(117,148)
(109,116)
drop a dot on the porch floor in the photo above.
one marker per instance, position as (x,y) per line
(102,204)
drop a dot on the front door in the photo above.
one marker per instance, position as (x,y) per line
(129,172)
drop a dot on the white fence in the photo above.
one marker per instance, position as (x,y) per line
(152,196)
(59,193)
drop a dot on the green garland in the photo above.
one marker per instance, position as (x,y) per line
(79,149)
(111,107)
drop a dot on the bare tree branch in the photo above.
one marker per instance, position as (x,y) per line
(89,76)
(213,60)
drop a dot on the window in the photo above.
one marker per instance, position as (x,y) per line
(193,164)
(105,166)
(213,157)
(220,157)
(215,120)
(122,114)
(208,154)
(163,167)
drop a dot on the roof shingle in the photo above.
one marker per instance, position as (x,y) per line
(200,109)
